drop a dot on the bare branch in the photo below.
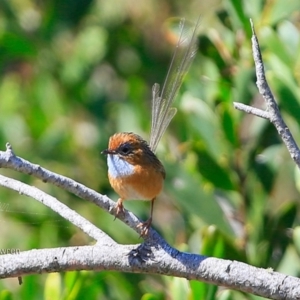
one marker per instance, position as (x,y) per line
(273,112)
(154,256)
(252,110)
(9,160)
(58,207)
(153,259)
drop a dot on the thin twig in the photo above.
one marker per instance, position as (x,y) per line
(58,207)
(252,110)
(272,113)
(155,256)
(8,159)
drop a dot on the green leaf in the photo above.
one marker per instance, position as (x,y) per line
(237,11)
(149,296)
(188,192)
(281,9)
(228,125)
(296,239)
(53,287)
(289,99)
(216,244)
(201,290)
(276,232)
(14,46)
(6,295)
(212,171)
(179,288)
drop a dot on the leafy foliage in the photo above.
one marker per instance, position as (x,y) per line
(74,72)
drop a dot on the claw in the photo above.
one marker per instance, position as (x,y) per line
(145,227)
(119,208)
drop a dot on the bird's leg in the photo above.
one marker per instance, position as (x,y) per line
(119,207)
(146,225)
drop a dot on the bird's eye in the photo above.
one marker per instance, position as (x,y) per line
(125,149)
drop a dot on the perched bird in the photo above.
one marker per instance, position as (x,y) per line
(134,171)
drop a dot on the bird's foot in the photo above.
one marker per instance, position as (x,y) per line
(119,208)
(144,226)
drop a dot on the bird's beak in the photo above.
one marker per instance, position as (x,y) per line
(107,151)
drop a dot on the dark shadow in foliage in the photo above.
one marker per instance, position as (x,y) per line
(277,233)
(212,171)
(268,137)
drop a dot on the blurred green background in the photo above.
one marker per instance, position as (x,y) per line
(74,72)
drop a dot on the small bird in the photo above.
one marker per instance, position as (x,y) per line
(134,171)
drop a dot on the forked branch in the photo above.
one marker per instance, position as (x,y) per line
(272,112)
(154,256)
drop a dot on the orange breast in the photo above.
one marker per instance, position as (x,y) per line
(143,184)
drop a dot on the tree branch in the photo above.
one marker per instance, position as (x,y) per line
(159,259)
(58,207)
(154,256)
(252,110)
(272,113)
(9,160)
